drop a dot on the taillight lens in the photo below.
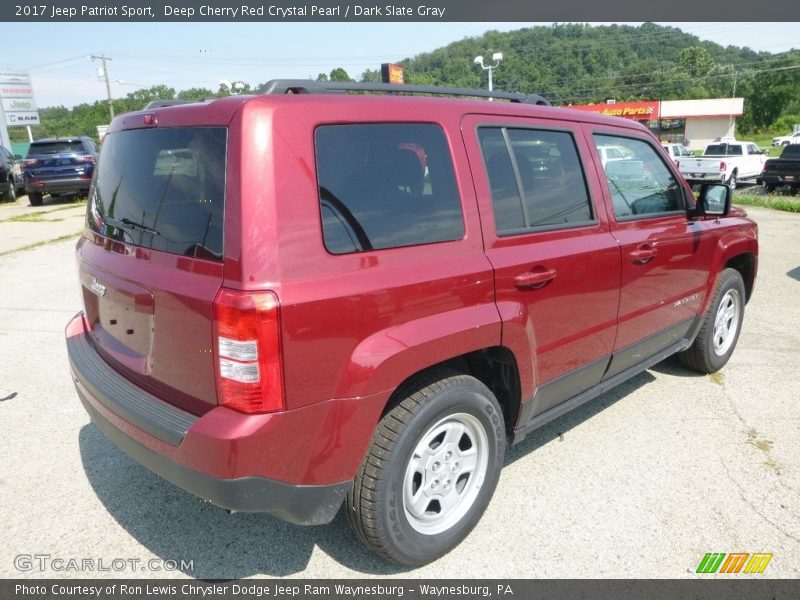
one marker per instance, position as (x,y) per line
(677,164)
(85,158)
(722,166)
(247,351)
(29,162)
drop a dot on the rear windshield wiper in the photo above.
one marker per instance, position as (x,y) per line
(126,223)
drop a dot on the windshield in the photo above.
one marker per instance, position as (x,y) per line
(162,189)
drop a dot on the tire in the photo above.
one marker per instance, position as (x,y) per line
(770,187)
(414,498)
(793,190)
(732,182)
(35,198)
(10,191)
(722,324)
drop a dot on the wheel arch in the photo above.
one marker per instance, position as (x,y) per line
(495,367)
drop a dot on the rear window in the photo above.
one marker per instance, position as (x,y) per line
(57,147)
(791,151)
(162,189)
(386,186)
(723,150)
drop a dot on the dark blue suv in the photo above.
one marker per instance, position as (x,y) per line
(59,166)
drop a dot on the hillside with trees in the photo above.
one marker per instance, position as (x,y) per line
(566,63)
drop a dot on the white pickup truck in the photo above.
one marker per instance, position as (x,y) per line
(727,162)
(785,140)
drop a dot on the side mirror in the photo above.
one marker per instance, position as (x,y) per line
(714,200)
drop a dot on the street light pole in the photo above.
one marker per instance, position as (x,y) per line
(496,58)
(103,58)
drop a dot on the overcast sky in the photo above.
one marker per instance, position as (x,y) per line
(184,55)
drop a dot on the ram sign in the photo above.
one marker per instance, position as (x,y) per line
(16,94)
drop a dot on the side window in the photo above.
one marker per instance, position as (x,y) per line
(386,186)
(640,184)
(535,178)
(752,149)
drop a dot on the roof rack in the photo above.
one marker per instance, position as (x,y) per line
(162,103)
(309,86)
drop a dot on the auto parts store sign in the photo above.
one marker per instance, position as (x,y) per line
(640,111)
(16,94)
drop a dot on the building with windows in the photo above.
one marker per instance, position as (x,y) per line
(693,123)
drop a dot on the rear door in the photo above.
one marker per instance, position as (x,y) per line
(665,257)
(557,267)
(152,261)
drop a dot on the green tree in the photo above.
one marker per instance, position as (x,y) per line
(339,74)
(195,93)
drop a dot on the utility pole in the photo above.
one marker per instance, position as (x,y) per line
(103,58)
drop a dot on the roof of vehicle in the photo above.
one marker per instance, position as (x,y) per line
(221,111)
(66,138)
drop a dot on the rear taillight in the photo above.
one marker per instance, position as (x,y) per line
(722,166)
(677,164)
(247,351)
(29,162)
(86,159)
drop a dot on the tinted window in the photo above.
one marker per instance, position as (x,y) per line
(791,151)
(641,183)
(162,189)
(386,186)
(535,178)
(56,147)
(723,150)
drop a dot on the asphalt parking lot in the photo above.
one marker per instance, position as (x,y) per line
(640,483)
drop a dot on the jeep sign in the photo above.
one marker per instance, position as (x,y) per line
(18,105)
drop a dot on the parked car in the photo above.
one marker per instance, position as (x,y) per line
(677,151)
(726,161)
(785,140)
(612,153)
(11,180)
(783,171)
(59,166)
(287,310)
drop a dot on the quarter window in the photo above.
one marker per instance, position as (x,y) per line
(386,186)
(640,183)
(535,178)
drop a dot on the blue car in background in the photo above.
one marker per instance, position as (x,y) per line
(59,166)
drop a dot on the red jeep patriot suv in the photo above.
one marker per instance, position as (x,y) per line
(312,298)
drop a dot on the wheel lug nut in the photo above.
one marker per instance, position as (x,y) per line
(435,483)
(448,455)
(435,467)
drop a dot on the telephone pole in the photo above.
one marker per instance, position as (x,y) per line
(103,58)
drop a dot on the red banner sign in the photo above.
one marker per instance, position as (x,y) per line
(640,111)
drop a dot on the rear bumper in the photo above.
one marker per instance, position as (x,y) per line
(218,456)
(780,179)
(705,178)
(57,186)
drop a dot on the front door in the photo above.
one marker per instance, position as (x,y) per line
(665,257)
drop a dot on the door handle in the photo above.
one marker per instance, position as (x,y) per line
(535,279)
(643,254)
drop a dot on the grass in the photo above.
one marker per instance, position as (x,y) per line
(34,217)
(39,216)
(774,202)
(69,236)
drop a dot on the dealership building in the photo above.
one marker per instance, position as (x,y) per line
(694,123)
